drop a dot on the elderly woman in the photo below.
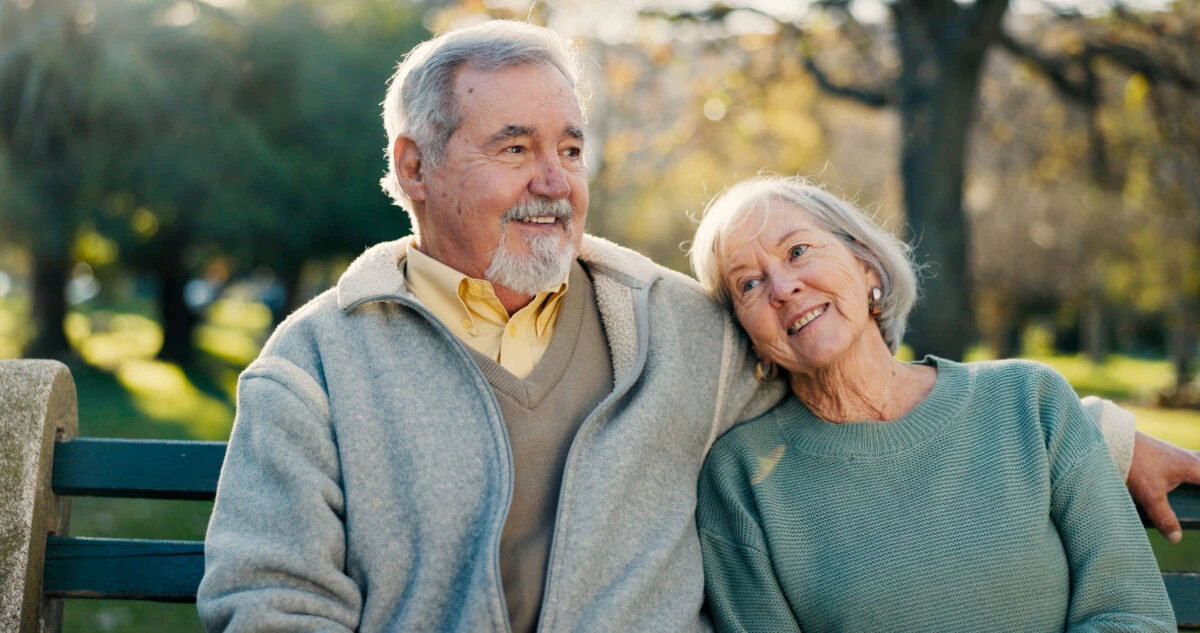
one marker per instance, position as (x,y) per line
(892,496)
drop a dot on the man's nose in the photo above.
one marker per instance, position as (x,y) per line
(551,180)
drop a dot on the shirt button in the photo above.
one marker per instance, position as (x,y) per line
(466,324)
(512,330)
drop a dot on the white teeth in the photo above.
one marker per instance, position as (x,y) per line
(805,318)
(540,219)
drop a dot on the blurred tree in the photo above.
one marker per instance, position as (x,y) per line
(1123,236)
(677,124)
(183,132)
(316,72)
(183,179)
(928,65)
(44,111)
(81,86)
(76,82)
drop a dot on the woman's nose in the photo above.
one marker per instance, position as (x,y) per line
(784,287)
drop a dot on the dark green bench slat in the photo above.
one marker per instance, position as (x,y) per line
(129,569)
(1185,500)
(170,571)
(1184,588)
(143,469)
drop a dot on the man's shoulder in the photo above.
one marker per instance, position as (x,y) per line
(317,313)
(634,269)
(375,273)
(296,338)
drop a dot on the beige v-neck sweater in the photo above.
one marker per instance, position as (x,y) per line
(541,413)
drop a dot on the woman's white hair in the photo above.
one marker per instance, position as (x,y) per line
(420,99)
(890,257)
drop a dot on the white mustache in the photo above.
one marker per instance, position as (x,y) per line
(559,209)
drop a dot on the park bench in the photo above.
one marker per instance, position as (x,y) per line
(43,464)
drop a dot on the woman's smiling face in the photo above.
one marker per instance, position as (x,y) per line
(796,288)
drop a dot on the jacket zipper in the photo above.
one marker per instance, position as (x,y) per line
(495,410)
(642,325)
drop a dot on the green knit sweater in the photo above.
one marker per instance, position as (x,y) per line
(991,506)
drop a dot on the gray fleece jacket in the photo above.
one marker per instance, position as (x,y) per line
(369,473)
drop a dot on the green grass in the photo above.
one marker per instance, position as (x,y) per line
(1178,426)
(15,329)
(123,392)
(1119,378)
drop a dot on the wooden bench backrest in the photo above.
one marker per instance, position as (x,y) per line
(170,571)
(131,569)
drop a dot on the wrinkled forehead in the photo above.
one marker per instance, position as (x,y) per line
(517,90)
(767,214)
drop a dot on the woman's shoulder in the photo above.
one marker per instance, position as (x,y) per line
(1037,397)
(1017,374)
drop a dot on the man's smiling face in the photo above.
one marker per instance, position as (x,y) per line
(513,184)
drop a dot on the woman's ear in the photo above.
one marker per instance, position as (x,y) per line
(408,165)
(873,280)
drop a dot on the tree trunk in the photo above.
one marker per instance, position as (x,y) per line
(942,48)
(1091,327)
(1183,320)
(178,320)
(1008,339)
(290,281)
(50,272)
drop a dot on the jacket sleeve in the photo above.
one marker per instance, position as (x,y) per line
(742,397)
(742,592)
(1118,428)
(275,549)
(1115,581)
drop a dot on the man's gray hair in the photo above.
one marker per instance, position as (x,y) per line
(889,256)
(420,99)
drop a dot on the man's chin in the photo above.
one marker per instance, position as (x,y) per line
(529,274)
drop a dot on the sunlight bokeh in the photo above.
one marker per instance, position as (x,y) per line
(106,340)
(163,392)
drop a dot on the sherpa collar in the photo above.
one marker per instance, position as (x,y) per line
(379,272)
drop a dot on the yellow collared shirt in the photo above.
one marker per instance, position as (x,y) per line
(470,309)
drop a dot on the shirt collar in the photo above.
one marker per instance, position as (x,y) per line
(451,294)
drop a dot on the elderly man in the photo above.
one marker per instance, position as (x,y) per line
(497,423)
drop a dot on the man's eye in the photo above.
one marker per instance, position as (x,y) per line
(797,251)
(515,149)
(573,152)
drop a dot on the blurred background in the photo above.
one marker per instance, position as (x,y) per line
(177,175)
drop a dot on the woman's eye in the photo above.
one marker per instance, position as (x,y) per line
(797,251)
(749,284)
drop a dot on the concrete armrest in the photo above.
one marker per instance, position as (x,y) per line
(37,406)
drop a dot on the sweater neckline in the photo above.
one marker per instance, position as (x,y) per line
(529,391)
(811,434)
